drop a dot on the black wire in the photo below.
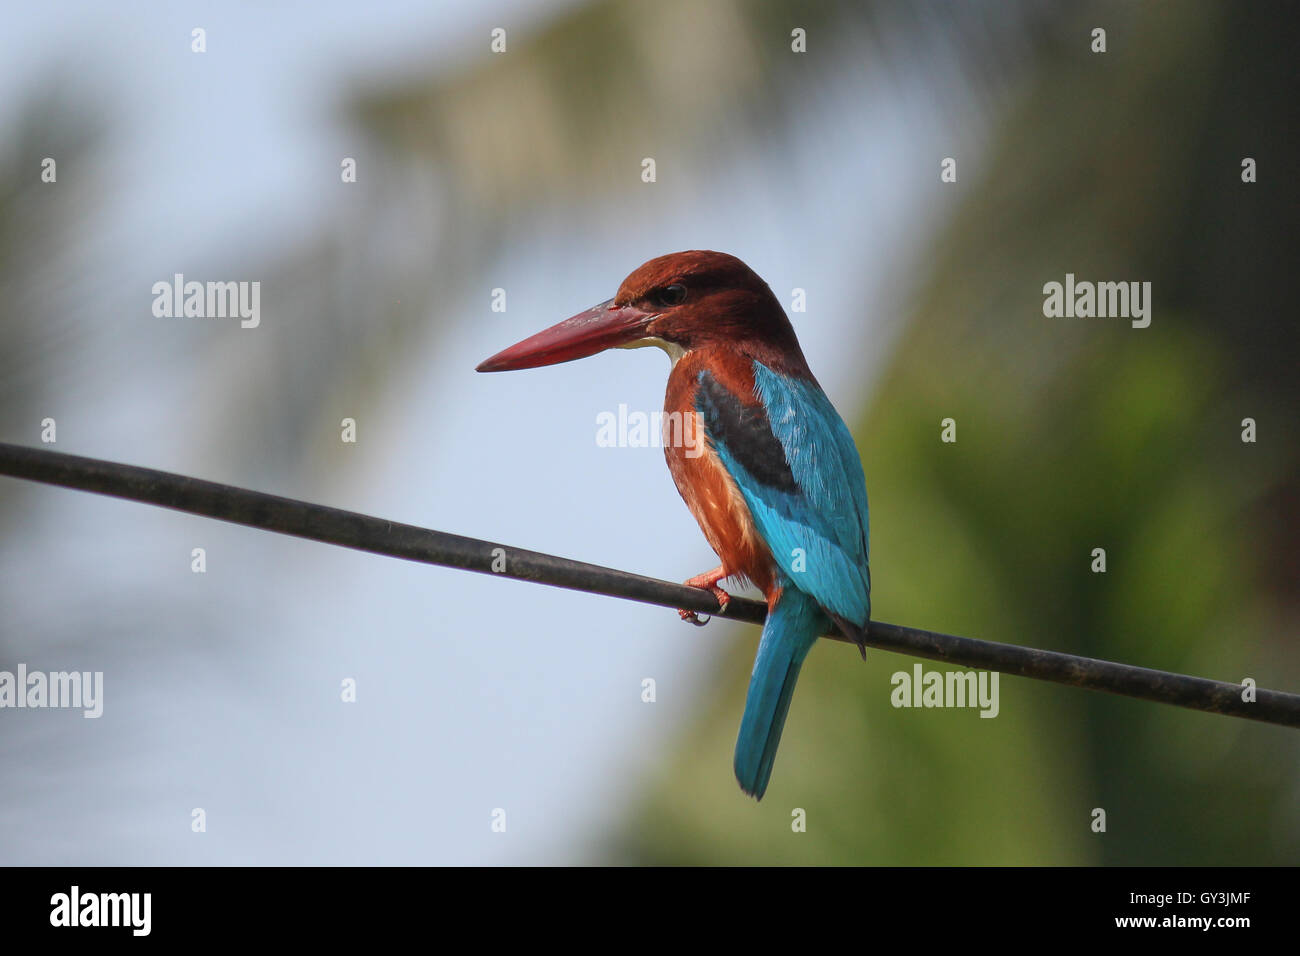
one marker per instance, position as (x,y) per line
(365,533)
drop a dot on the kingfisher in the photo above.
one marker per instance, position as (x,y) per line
(776,483)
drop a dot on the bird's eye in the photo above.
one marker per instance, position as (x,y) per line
(672,295)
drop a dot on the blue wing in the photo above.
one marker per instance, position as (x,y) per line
(797,468)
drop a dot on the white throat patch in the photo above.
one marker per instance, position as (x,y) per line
(672,349)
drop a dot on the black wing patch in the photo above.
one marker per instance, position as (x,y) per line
(746,432)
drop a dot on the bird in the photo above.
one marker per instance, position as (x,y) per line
(760,456)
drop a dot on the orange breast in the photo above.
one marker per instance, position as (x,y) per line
(704,484)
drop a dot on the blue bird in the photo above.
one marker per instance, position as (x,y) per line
(759,455)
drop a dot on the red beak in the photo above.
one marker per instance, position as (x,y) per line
(601,327)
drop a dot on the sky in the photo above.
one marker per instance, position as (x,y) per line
(473,693)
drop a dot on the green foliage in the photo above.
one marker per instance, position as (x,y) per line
(1072,434)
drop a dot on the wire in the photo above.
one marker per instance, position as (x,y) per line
(378,536)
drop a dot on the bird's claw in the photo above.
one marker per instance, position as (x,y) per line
(723,598)
(705,582)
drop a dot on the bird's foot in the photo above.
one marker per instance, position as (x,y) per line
(709,582)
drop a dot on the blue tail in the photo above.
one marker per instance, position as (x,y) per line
(791,629)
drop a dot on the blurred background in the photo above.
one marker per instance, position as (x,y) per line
(521,170)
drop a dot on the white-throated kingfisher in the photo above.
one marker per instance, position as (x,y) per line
(777,487)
